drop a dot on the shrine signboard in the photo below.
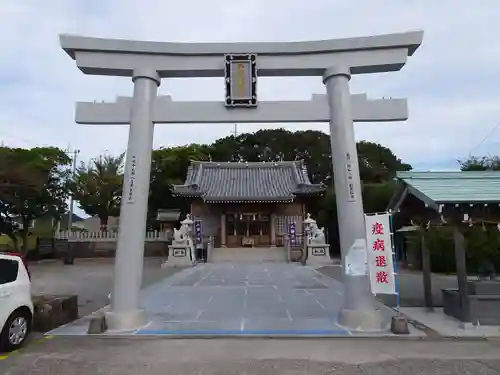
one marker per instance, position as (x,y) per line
(292,233)
(197,231)
(380,260)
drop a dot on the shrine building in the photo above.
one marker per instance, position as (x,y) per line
(248,203)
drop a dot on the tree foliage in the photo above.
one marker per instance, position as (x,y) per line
(39,183)
(376,196)
(378,166)
(33,184)
(376,163)
(169,167)
(97,186)
(485,163)
(481,244)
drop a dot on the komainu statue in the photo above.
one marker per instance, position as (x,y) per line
(317,235)
(178,235)
(181,234)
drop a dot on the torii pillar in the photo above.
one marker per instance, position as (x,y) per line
(125,313)
(357,311)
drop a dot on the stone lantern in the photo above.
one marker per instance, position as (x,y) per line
(308,224)
(188,224)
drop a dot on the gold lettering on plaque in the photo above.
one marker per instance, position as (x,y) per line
(241,79)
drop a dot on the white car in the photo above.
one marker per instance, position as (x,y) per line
(16,307)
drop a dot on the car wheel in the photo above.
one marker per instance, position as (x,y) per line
(16,330)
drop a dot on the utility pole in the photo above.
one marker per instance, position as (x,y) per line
(73,170)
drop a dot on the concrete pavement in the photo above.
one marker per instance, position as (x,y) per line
(226,299)
(144,356)
(346,356)
(90,279)
(410,286)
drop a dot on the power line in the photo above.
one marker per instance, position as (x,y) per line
(486,138)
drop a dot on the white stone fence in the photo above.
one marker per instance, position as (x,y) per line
(106,236)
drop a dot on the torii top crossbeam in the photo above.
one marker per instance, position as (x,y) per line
(116,57)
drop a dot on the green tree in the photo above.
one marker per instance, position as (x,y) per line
(327,217)
(9,226)
(278,145)
(169,167)
(378,163)
(97,187)
(376,197)
(485,163)
(34,184)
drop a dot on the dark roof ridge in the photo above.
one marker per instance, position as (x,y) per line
(244,164)
(296,176)
(198,176)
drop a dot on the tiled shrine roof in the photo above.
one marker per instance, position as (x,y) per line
(247,182)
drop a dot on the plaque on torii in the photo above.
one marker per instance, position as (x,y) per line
(240,79)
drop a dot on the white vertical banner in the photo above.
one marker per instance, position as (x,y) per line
(380,261)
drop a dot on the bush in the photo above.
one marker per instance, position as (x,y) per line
(480,246)
(376,197)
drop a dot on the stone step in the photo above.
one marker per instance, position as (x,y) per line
(249,254)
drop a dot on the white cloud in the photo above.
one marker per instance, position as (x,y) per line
(451,81)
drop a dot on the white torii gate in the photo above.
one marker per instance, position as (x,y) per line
(148,62)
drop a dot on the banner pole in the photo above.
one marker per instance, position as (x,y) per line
(394,260)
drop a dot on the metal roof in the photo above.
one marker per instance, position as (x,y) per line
(453,187)
(247,182)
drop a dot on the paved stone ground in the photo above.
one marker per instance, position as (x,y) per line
(410,286)
(90,356)
(90,279)
(245,298)
(264,299)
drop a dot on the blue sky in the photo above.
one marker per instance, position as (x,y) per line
(451,82)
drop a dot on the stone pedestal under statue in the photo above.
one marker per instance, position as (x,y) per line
(317,250)
(182,250)
(179,255)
